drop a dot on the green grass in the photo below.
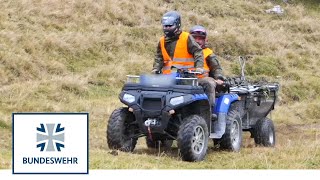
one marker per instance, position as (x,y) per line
(4,125)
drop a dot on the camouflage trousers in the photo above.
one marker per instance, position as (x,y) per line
(209,87)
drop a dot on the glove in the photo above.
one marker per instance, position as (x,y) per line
(155,71)
(200,70)
(219,82)
(222,78)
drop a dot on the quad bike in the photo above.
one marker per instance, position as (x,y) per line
(164,108)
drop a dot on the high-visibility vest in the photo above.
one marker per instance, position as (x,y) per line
(181,57)
(206,53)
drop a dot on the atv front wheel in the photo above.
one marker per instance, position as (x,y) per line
(119,130)
(264,133)
(193,138)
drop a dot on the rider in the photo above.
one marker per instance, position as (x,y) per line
(215,75)
(177,48)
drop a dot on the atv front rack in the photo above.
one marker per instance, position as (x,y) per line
(162,80)
(133,79)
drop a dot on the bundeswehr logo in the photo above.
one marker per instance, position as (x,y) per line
(51,137)
(50,143)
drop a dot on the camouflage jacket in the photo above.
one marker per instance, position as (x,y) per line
(214,66)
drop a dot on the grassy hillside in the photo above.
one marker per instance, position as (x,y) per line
(72,56)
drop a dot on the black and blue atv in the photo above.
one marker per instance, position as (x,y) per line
(164,108)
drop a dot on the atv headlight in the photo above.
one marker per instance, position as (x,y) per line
(176,100)
(129,98)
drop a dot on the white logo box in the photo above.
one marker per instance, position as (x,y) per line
(67,132)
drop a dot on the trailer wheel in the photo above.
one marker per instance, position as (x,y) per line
(264,133)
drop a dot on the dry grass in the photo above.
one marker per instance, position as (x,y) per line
(297,148)
(72,56)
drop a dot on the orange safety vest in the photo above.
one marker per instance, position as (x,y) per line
(206,53)
(181,57)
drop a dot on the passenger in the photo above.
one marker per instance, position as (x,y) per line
(210,60)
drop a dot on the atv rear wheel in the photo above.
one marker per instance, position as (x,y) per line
(119,130)
(193,138)
(264,133)
(232,138)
